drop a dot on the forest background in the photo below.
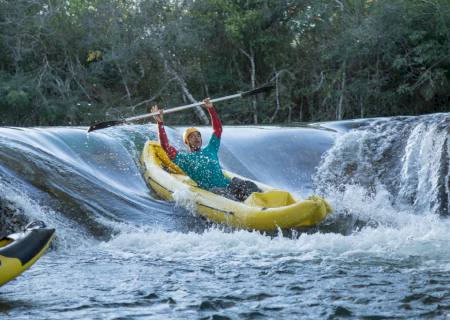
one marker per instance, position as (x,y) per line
(75,62)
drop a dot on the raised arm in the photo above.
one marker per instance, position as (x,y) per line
(216,124)
(163,140)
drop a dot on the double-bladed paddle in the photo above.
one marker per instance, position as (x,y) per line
(106,124)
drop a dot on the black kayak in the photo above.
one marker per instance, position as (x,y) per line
(19,251)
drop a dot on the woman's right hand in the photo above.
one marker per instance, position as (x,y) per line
(159,117)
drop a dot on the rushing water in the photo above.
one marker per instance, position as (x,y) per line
(121,253)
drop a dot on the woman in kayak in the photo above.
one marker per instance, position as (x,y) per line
(202,164)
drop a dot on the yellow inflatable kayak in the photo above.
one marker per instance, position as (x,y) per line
(267,210)
(19,251)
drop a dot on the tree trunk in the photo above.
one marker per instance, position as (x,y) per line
(302,99)
(124,81)
(198,110)
(251,58)
(278,75)
(340,108)
(277,98)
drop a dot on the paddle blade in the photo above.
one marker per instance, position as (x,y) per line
(264,88)
(106,124)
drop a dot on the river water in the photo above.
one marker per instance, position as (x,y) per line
(122,253)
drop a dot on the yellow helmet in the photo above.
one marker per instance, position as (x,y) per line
(187,133)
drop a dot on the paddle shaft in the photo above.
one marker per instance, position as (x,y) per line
(188,106)
(107,124)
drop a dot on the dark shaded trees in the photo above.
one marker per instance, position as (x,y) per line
(75,62)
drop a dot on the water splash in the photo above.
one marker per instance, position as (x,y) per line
(423,237)
(19,201)
(185,198)
(407,156)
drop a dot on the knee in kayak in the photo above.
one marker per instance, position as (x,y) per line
(241,189)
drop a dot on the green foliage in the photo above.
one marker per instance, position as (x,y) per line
(76,62)
(18,98)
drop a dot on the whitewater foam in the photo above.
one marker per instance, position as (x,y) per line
(67,230)
(423,237)
(408,156)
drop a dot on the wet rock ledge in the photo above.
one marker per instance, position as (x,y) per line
(11,219)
